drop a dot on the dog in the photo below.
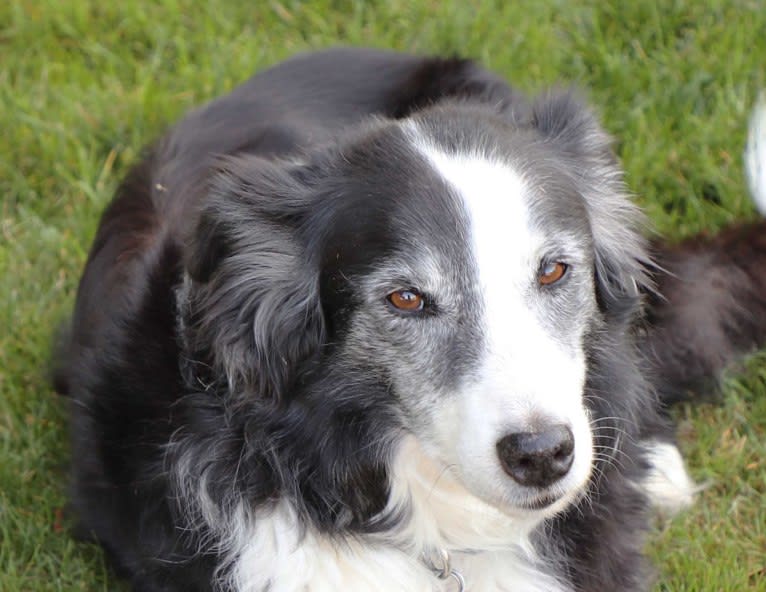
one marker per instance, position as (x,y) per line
(379,322)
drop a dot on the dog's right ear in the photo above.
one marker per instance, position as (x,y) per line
(251,311)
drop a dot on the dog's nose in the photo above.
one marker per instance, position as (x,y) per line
(537,459)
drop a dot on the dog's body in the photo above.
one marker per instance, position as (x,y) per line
(370,309)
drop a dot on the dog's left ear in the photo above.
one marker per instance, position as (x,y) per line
(251,311)
(621,257)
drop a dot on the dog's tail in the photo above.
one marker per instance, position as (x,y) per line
(710,303)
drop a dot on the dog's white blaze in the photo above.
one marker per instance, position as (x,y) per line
(527,378)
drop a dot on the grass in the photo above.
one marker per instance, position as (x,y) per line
(84,84)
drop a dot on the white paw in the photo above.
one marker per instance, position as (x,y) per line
(667,483)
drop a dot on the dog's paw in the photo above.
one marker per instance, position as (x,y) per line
(667,483)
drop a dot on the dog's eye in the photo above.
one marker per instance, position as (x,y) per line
(406,300)
(552,272)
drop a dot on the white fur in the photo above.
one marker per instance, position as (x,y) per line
(668,484)
(489,549)
(274,555)
(755,156)
(270,548)
(521,383)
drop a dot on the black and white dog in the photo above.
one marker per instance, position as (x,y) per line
(376,322)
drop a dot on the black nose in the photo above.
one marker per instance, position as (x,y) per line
(537,459)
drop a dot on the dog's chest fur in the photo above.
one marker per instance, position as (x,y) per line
(273,549)
(276,560)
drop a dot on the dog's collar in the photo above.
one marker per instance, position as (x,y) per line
(439,562)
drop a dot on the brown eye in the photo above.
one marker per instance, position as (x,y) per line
(406,300)
(552,272)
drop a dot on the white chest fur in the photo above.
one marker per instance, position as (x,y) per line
(274,559)
(274,552)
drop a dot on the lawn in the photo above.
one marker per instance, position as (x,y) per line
(84,84)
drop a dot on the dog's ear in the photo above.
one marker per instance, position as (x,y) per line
(621,258)
(250,308)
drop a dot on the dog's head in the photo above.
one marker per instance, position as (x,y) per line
(463,262)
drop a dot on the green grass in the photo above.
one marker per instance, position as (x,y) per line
(83,85)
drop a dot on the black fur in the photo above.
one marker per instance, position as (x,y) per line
(709,308)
